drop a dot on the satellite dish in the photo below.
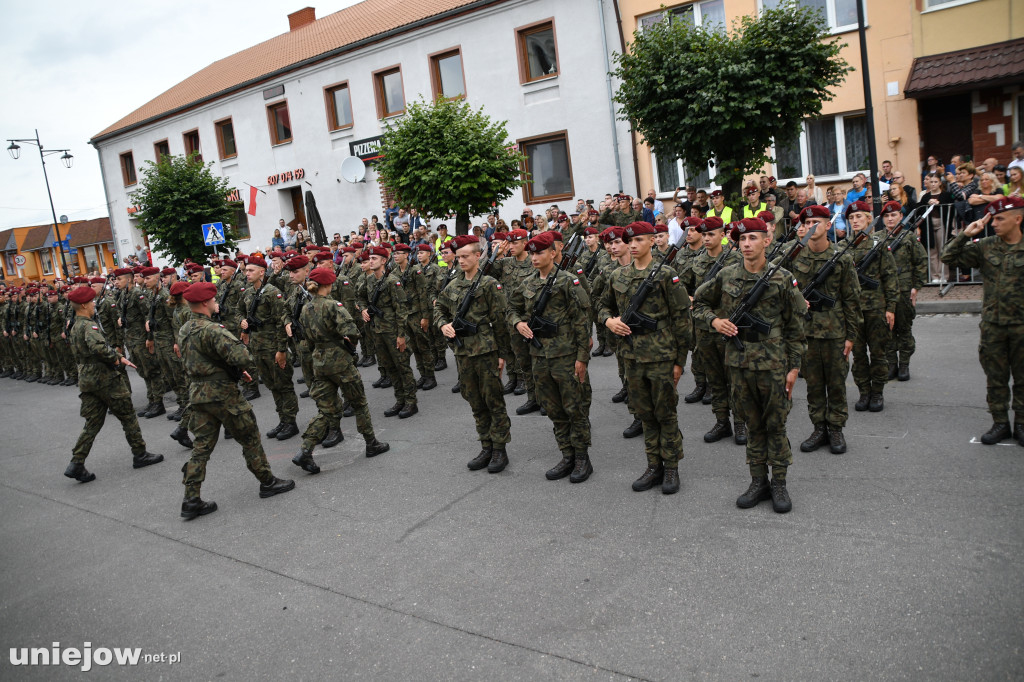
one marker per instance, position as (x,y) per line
(63,220)
(353,169)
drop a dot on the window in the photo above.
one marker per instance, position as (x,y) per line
(46,258)
(841,15)
(936,4)
(548,168)
(192,145)
(280,123)
(830,146)
(339,106)
(161,149)
(225,139)
(239,227)
(671,174)
(446,74)
(128,169)
(387,84)
(537,51)
(709,14)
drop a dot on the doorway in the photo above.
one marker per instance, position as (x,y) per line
(298,208)
(946,126)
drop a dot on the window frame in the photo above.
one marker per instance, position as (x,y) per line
(830,16)
(129,166)
(682,176)
(522,143)
(331,110)
(156,148)
(218,129)
(437,86)
(45,254)
(522,57)
(379,93)
(928,7)
(272,123)
(199,147)
(697,4)
(844,174)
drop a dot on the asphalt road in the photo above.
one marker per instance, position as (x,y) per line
(901,559)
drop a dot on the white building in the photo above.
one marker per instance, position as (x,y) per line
(284,114)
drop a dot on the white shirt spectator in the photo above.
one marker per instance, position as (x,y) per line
(675,231)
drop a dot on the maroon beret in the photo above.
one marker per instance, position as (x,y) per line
(712,223)
(637,229)
(518,235)
(379,251)
(200,291)
(890,207)
(318,257)
(168,271)
(544,240)
(814,212)
(589,231)
(751,190)
(403,248)
(121,272)
(256,260)
(465,240)
(193,267)
(146,272)
(661,229)
(556,235)
(499,236)
(79,280)
(178,288)
(424,247)
(79,295)
(748,225)
(97,280)
(296,262)
(857,207)
(228,263)
(716,193)
(611,234)
(1004,204)
(693,222)
(323,276)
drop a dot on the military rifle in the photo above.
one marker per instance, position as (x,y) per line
(673,249)
(252,322)
(372,308)
(572,252)
(876,250)
(542,327)
(777,247)
(817,299)
(719,263)
(637,322)
(898,242)
(462,326)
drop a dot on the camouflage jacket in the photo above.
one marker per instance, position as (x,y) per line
(683,264)
(161,322)
(97,361)
(344,291)
(55,319)
(616,217)
(180,316)
(29,319)
(487,311)
(433,276)
(883,270)
(392,303)
(911,264)
(133,309)
(106,313)
(268,310)
(1002,272)
(781,306)
(229,291)
(327,324)
(843,319)
(696,274)
(598,258)
(280,279)
(414,283)
(568,308)
(667,304)
(514,272)
(295,303)
(213,358)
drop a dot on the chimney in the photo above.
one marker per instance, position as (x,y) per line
(303,17)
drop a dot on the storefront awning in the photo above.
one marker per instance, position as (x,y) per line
(951,72)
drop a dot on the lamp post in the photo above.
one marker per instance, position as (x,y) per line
(67,160)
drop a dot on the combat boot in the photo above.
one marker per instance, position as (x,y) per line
(696,394)
(144,459)
(904,372)
(334,436)
(633,430)
(529,406)
(300,380)
(740,433)
(520,388)
(876,403)
(369,360)
(275,487)
(429,383)
(177,414)
(836,440)
(780,496)
(374,447)
(481,460)
(862,402)
(304,460)
(599,351)
(408,411)
(563,468)
(758,492)
(499,460)
(155,410)
(349,411)
(394,409)
(386,382)
(227,434)
(720,430)
(419,383)
(141,412)
(440,364)
(608,352)
(583,468)
(1018,433)
(670,486)
(287,431)
(251,392)
(31,378)
(708,398)
(304,394)
(192,507)
(509,386)
(457,387)
(272,433)
(999,431)
(180,434)
(892,371)
(6,373)
(650,478)
(620,397)
(77,471)
(818,437)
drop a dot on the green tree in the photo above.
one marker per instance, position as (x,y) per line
(699,93)
(447,158)
(175,198)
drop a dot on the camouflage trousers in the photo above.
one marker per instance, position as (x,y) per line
(395,364)
(33,362)
(759,397)
(697,363)
(94,410)
(870,366)
(237,417)
(902,345)
(148,368)
(825,369)
(653,400)
(51,355)
(420,347)
(172,369)
(564,398)
(711,350)
(67,360)
(305,356)
(279,382)
(524,362)
(331,373)
(1001,352)
(480,384)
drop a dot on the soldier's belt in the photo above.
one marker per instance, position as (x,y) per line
(640,330)
(219,375)
(753,336)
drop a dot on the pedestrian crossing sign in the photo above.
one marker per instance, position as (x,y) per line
(213,234)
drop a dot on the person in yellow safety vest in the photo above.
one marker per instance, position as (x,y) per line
(718,207)
(754,203)
(442,239)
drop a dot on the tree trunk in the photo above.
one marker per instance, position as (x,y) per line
(462,222)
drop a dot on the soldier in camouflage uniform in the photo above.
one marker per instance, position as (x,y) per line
(683,265)
(591,260)
(871,371)
(447,276)
(7,363)
(330,330)
(654,359)
(762,374)
(911,273)
(262,309)
(160,341)
(515,269)
(1001,350)
(830,332)
(711,346)
(12,333)
(623,213)
(29,335)
(418,293)
(433,275)
(54,343)
(560,354)
(100,389)
(479,357)
(132,312)
(215,360)
(180,314)
(229,293)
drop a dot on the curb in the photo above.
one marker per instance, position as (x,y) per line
(936,307)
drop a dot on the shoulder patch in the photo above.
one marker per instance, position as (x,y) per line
(95,327)
(344,282)
(675,280)
(498,285)
(398,283)
(279,295)
(795,283)
(340,304)
(575,281)
(221,326)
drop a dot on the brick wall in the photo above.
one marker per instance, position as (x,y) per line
(992,124)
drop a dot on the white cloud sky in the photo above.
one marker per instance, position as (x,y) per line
(72,68)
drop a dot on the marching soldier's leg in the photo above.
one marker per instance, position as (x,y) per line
(278,381)
(879,336)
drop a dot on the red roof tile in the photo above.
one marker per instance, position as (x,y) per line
(37,238)
(966,69)
(86,232)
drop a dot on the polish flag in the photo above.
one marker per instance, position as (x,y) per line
(252,200)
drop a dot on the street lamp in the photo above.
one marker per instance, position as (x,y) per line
(15,151)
